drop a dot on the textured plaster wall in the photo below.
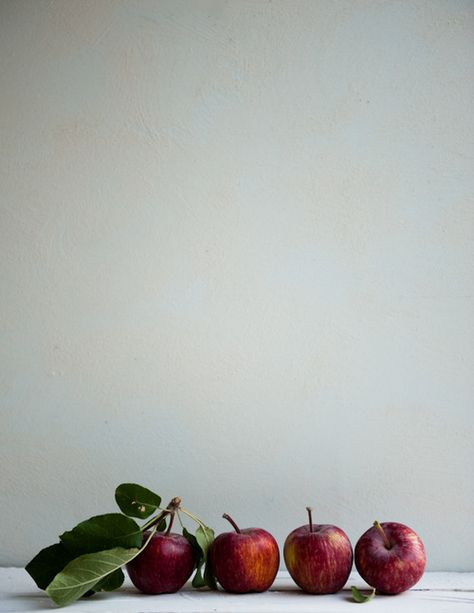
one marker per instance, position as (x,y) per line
(237,264)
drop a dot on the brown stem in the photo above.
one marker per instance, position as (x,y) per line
(167,533)
(230,520)
(174,503)
(387,543)
(310,516)
(157,519)
(173,506)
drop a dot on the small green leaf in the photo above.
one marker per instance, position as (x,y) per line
(193,542)
(102,532)
(200,544)
(85,572)
(161,526)
(359,597)
(204,537)
(136,501)
(198,580)
(48,563)
(209,578)
(111,582)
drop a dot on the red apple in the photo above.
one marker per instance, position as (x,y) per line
(390,557)
(164,565)
(245,560)
(318,557)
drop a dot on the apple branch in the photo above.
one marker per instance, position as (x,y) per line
(173,506)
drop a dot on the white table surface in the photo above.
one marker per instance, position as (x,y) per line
(435,593)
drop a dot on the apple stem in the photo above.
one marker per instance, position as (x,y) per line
(387,543)
(310,516)
(231,521)
(167,533)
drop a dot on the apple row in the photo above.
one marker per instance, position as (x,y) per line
(389,556)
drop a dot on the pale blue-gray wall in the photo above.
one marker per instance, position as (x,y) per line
(237,264)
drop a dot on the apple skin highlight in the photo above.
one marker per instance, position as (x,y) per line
(318,558)
(390,567)
(245,561)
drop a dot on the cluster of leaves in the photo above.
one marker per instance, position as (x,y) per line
(89,558)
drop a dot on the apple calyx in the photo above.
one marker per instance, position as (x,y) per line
(310,517)
(387,543)
(232,522)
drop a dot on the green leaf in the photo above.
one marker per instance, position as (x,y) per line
(198,579)
(111,582)
(48,563)
(209,578)
(200,544)
(85,572)
(359,597)
(193,542)
(204,537)
(136,501)
(102,532)
(161,526)
(107,584)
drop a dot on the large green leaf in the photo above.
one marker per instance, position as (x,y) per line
(102,532)
(111,582)
(136,501)
(85,572)
(48,563)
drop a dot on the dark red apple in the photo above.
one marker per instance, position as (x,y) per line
(164,565)
(318,557)
(390,557)
(245,560)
